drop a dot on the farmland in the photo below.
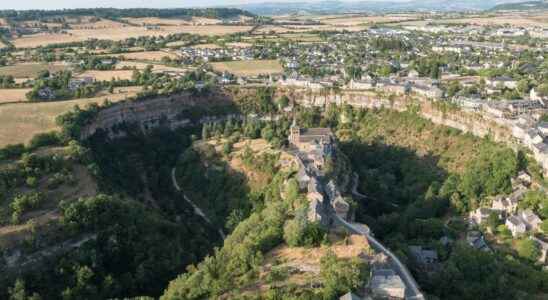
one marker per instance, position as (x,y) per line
(13,95)
(118,31)
(141,66)
(30,70)
(108,75)
(148,55)
(21,121)
(249,68)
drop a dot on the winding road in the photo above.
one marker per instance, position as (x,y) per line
(197,210)
(412,291)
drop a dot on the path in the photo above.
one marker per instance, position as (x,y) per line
(197,210)
(412,291)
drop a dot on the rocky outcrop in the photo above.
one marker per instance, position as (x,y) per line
(173,111)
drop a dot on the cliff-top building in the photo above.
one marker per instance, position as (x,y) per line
(316,143)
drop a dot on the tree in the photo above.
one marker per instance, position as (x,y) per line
(493,220)
(504,232)
(341,275)
(18,292)
(544,226)
(527,249)
(283,102)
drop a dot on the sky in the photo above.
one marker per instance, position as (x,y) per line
(58,4)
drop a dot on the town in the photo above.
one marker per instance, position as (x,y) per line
(395,154)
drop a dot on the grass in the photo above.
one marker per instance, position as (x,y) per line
(29,70)
(13,95)
(108,75)
(148,55)
(249,67)
(21,121)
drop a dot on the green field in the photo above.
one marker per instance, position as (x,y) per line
(249,67)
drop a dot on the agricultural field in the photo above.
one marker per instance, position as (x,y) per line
(207,46)
(107,75)
(141,66)
(249,67)
(352,21)
(516,19)
(172,22)
(13,95)
(30,70)
(21,121)
(148,55)
(118,31)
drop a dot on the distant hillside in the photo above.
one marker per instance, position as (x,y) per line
(220,13)
(330,7)
(529,5)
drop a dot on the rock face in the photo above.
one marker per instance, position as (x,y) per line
(177,111)
(173,111)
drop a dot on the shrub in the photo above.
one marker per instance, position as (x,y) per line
(12,151)
(44,139)
(23,203)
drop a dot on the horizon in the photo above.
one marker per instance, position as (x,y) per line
(124,4)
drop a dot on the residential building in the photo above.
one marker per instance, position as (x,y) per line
(425,258)
(530,219)
(480,215)
(507,205)
(516,225)
(385,283)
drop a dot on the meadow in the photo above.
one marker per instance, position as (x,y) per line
(110,30)
(30,70)
(249,67)
(21,121)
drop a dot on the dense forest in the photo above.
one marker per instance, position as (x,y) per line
(420,180)
(114,13)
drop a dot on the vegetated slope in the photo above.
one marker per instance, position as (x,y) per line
(421,180)
(124,13)
(254,261)
(127,242)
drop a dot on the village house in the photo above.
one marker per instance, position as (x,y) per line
(385,283)
(504,81)
(426,258)
(361,84)
(46,93)
(77,83)
(480,215)
(476,240)
(352,296)
(432,92)
(531,220)
(507,205)
(516,225)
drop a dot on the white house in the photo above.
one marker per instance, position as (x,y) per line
(505,204)
(531,220)
(516,225)
(480,215)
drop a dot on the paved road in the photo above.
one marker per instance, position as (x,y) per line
(412,291)
(197,210)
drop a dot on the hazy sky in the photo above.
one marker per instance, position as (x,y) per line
(56,4)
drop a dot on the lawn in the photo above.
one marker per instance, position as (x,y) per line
(249,67)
